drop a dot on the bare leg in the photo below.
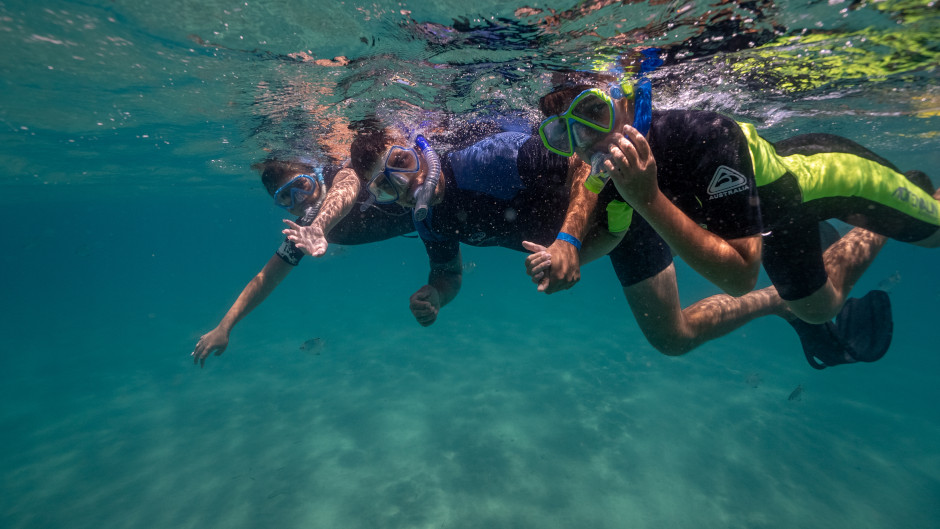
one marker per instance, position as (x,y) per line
(845,262)
(675,331)
(598,243)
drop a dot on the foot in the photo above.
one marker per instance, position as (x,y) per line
(861,332)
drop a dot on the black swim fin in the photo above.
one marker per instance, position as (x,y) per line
(861,332)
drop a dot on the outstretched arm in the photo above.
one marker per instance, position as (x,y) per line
(216,340)
(732,265)
(443,286)
(339,200)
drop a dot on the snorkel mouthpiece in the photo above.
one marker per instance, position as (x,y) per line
(598,177)
(426,191)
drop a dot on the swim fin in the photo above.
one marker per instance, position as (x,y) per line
(861,332)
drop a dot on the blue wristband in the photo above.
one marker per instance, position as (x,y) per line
(570,239)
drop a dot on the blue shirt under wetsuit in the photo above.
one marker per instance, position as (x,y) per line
(500,191)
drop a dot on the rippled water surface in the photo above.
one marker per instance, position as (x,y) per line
(206,85)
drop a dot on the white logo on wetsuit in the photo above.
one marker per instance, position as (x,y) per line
(726,182)
(477,238)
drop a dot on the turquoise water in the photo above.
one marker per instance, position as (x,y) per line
(133,221)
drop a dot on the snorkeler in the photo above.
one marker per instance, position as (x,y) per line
(501,190)
(726,200)
(321,199)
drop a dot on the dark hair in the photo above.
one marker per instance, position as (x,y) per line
(567,85)
(275,171)
(372,139)
(557,101)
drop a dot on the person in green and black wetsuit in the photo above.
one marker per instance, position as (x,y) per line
(726,200)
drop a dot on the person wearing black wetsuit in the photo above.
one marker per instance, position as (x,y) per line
(712,189)
(336,222)
(502,189)
(357,226)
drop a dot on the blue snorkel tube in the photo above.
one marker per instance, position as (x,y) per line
(642,94)
(426,192)
(643,91)
(643,106)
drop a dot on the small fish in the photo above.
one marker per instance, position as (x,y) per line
(402,80)
(469,267)
(312,346)
(887,284)
(796,394)
(753,380)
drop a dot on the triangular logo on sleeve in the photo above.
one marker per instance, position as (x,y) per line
(726,182)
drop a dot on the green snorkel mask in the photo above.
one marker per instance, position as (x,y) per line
(593,111)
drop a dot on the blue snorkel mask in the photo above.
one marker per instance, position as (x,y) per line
(297,190)
(399,167)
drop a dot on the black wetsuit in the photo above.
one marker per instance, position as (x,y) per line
(501,190)
(706,166)
(377,223)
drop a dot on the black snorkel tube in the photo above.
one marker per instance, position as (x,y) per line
(311,212)
(425,193)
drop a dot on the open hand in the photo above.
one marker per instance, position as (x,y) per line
(214,341)
(310,239)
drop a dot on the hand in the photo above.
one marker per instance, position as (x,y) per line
(310,239)
(538,264)
(632,167)
(561,270)
(425,304)
(214,341)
